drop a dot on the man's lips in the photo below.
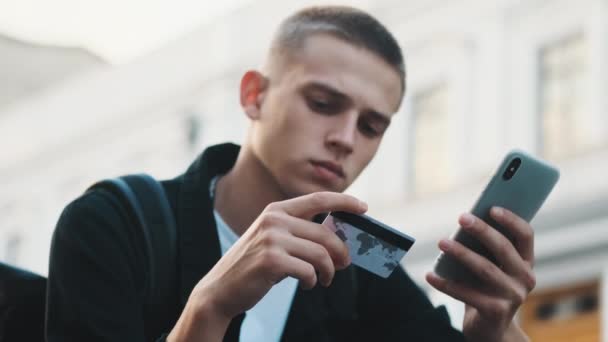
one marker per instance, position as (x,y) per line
(330,166)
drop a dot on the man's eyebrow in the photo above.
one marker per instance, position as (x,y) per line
(326,88)
(340,95)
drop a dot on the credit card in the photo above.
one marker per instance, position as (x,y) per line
(372,245)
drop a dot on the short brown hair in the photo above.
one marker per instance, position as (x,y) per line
(350,24)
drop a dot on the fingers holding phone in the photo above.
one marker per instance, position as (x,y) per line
(498,227)
(500,288)
(521,232)
(507,257)
(508,276)
(488,263)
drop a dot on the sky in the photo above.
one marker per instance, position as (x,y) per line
(116,30)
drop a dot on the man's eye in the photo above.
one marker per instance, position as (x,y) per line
(319,105)
(368,129)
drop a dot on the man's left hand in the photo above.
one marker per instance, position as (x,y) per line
(491,305)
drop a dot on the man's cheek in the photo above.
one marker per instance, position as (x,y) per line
(367,155)
(356,170)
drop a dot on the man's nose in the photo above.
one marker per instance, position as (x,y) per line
(342,137)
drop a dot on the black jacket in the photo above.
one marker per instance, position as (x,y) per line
(96,277)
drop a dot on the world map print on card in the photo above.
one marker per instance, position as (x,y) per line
(366,250)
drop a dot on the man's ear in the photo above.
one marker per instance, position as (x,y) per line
(253,90)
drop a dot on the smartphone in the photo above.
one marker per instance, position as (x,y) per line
(521,184)
(372,245)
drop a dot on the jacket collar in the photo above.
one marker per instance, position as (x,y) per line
(198,240)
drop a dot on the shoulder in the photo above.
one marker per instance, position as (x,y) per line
(99,209)
(94,216)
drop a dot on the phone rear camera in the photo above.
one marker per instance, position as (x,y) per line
(511,169)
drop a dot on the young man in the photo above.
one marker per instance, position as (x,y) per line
(334,77)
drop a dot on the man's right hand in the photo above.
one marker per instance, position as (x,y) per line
(282,242)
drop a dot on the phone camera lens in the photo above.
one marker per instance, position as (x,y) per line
(511,169)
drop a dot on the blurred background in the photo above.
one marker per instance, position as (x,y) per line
(95,89)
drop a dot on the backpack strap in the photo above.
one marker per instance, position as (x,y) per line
(147,202)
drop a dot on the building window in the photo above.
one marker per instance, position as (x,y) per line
(431,163)
(563,91)
(11,250)
(193,130)
(563,314)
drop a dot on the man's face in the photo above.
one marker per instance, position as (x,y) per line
(323,115)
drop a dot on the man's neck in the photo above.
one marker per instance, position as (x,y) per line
(243,193)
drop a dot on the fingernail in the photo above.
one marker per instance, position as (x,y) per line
(445,245)
(467,220)
(346,262)
(363,205)
(497,211)
(432,276)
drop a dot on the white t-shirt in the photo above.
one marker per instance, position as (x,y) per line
(266,320)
